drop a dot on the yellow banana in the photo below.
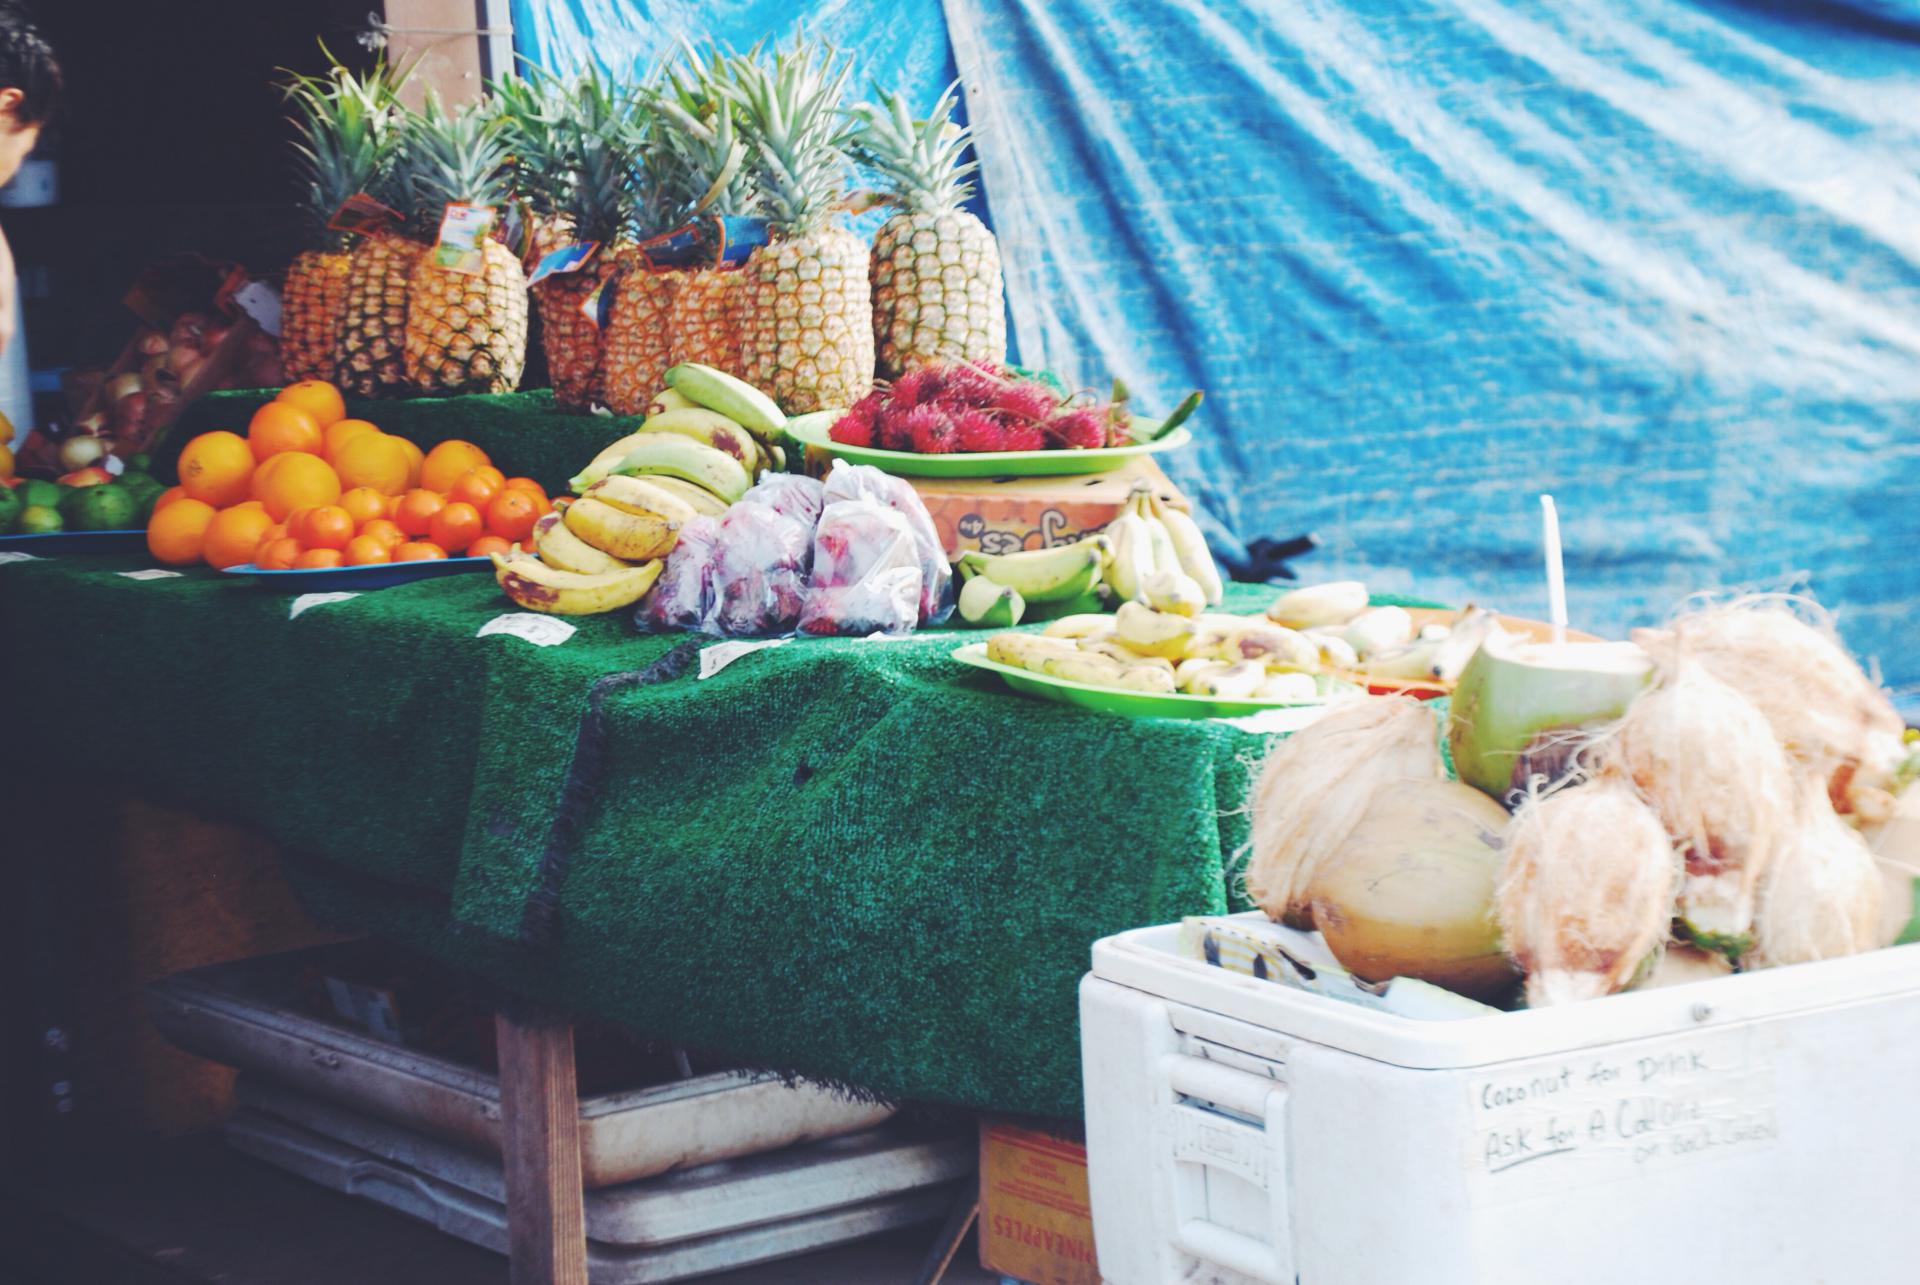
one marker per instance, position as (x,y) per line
(560,547)
(632,536)
(538,587)
(642,497)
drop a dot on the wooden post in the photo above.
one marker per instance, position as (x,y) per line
(540,1117)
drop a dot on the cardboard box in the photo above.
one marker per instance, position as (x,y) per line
(1035,1224)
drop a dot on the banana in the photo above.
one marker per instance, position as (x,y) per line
(1041,575)
(1131,561)
(1442,658)
(697,498)
(816,422)
(1172,590)
(1147,678)
(1085,667)
(1026,651)
(990,604)
(712,428)
(1165,558)
(1379,630)
(1334,603)
(1081,626)
(632,536)
(1290,687)
(1274,647)
(538,587)
(1152,633)
(669,399)
(1098,599)
(1128,658)
(561,548)
(603,463)
(1190,548)
(738,400)
(777,458)
(1230,682)
(682,457)
(1334,650)
(1185,672)
(642,497)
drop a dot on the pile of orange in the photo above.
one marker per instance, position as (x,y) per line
(308,487)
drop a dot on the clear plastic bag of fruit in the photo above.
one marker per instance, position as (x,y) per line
(866,572)
(759,575)
(800,498)
(864,482)
(683,595)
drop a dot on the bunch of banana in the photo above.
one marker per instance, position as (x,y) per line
(998,588)
(1151,540)
(604,550)
(706,431)
(1381,642)
(538,585)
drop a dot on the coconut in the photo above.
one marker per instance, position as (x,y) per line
(1895,842)
(1782,653)
(1821,896)
(1586,892)
(1521,708)
(1705,758)
(1409,892)
(1317,784)
(1680,964)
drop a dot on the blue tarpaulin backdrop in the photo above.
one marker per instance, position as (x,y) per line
(1431,259)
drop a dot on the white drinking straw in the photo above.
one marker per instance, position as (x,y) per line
(1556,571)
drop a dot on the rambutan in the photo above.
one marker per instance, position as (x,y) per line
(931,430)
(967,385)
(872,404)
(980,431)
(890,428)
(989,367)
(855,428)
(1079,430)
(1026,401)
(917,387)
(1023,435)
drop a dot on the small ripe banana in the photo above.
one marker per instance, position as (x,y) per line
(1172,590)
(642,497)
(1379,630)
(1314,606)
(1185,672)
(676,456)
(1274,647)
(1084,625)
(1141,629)
(990,604)
(1230,682)
(539,587)
(710,427)
(1190,547)
(1057,574)
(1127,657)
(1290,687)
(1130,563)
(1334,650)
(735,398)
(1147,678)
(603,463)
(561,548)
(1085,667)
(669,399)
(1026,651)
(632,536)
(1441,658)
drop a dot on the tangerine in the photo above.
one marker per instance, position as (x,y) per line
(475,488)
(328,527)
(384,531)
(416,460)
(365,504)
(528,485)
(176,534)
(342,431)
(317,398)
(445,463)
(488,545)
(283,426)
(294,480)
(512,515)
(375,460)
(417,551)
(316,559)
(456,526)
(364,549)
(217,468)
(167,497)
(277,555)
(233,535)
(415,511)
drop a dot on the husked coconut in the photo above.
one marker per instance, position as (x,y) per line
(1821,896)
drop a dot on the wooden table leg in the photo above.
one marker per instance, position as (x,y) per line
(540,1114)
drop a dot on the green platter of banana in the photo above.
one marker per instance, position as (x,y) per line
(811,430)
(1137,704)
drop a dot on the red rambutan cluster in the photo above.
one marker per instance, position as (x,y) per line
(974,406)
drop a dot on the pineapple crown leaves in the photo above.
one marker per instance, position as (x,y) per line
(704,156)
(602,145)
(457,156)
(920,160)
(347,140)
(532,111)
(796,131)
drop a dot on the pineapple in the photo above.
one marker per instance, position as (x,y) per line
(370,354)
(465,332)
(637,353)
(937,290)
(344,148)
(704,164)
(806,314)
(532,111)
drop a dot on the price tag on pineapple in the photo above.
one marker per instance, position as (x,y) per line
(463,233)
(568,258)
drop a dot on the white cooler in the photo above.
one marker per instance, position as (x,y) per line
(1763,1128)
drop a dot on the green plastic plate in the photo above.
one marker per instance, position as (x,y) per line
(1061,463)
(1112,700)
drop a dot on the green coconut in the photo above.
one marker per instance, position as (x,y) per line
(1520,707)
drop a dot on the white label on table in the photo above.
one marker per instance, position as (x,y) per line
(307,600)
(541,631)
(1602,1115)
(717,657)
(877,636)
(12,556)
(151,573)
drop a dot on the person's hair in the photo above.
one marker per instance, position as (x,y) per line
(28,65)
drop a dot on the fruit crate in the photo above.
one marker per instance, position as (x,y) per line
(1759,1128)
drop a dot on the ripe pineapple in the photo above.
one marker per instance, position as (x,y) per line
(344,148)
(370,356)
(532,110)
(937,290)
(465,332)
(637,352)
(806,313)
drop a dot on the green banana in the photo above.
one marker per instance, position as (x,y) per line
(603,463)
(738,400)
(1041,575)
(710,427)
(699,498)
(696,462)
(1190,548)
(989,604)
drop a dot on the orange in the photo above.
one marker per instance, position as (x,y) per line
(328,527)
(417,551)
(282,426)
(415,460)
(375,460)
(317,398)
(475,488)
(233,535)
(175,534)
(382,530)
(415,512)
(216,468)
(277,555)
(365,504)
(455,526)
(294,480)
(315,559)
(488,545)
(363,549)
(528,485)
(277,531)
(512,515)
(342,431)
(168,496)
(447,461)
